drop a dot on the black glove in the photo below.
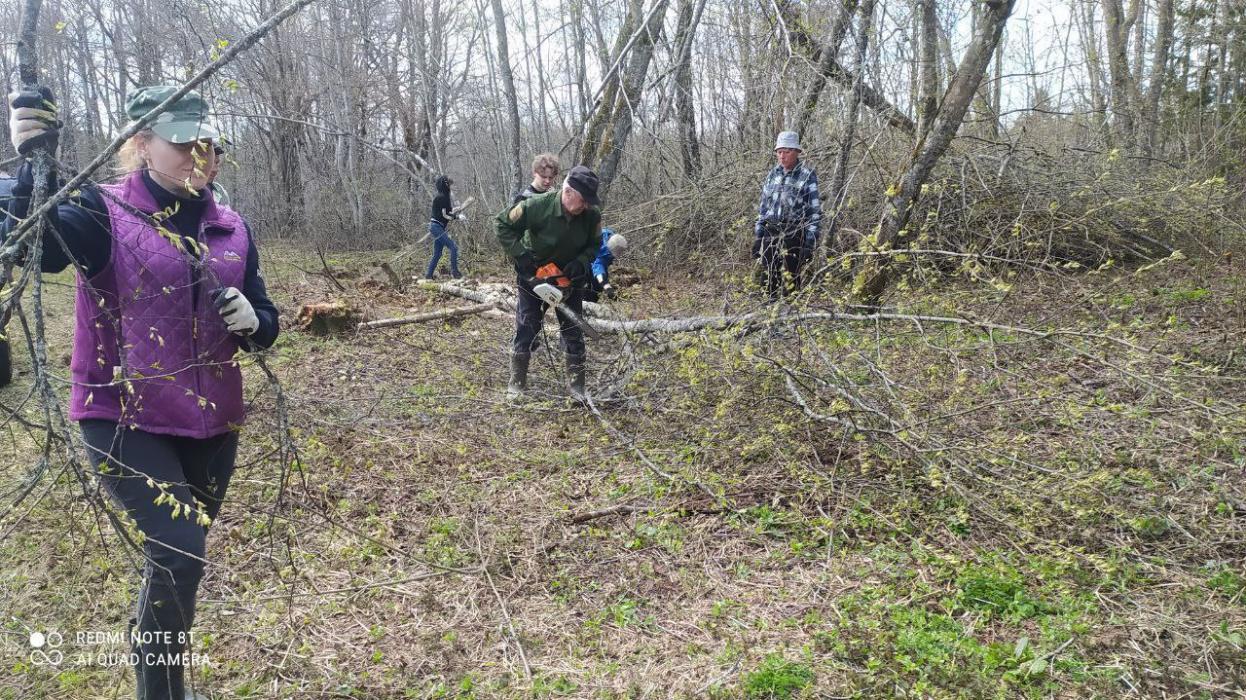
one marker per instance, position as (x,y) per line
(525,265)
(32,120)
(609,291)
(574,270)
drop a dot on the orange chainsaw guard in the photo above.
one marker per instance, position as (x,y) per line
(552,274)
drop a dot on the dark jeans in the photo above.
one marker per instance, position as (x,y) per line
(779,252)
(196,472)
(442,240)
(530,317)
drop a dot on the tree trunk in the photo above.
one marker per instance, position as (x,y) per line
(1094,64)
(540,72)
(830,54)
(799,36)
(603,111)
(633,88)
(839,181)
(927,67)
(508,86)
(1159,72)
(874,276)
(685,112)
(1116,29)
(580,39)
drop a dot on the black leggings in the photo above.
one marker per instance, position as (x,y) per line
(196,474)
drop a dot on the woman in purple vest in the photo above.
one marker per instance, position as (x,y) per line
(168,291)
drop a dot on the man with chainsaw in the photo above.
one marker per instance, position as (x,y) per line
(552,239)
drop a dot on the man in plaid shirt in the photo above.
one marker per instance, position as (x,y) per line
(789,217)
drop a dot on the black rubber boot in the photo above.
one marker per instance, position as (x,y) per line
(575,368)
(519,376)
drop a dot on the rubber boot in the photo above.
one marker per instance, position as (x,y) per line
(575,368)
(518,383)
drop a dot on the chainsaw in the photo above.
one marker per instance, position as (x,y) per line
(551,287)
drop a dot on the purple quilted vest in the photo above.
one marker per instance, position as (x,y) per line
(148,353)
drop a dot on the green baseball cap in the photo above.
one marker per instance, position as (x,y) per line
(185,121)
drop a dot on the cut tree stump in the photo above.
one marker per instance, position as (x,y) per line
(329,318)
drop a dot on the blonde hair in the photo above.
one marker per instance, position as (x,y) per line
(128,158)
(545,161)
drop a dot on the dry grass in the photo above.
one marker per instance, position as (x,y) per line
(1075,494)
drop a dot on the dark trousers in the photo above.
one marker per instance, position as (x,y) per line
(196,472)
(442,240)
(780,252)
(530,317)
(593,291)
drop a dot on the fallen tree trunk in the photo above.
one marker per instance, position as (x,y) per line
(773,317)
(472,294)
(503,296)
(430,316)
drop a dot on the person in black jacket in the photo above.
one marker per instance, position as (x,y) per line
(443,212)
(545,169)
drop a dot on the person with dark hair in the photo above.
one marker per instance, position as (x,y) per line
(443,212)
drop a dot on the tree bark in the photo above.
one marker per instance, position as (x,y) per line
(1159,73)
(927,67)
(839,181)
(430,316)
(830,54)
(1116,28)
(874,276)
(603,111)
(508,86)
(801,38)
(685,111)
(633,89)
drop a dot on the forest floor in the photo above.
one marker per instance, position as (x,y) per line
(954,511)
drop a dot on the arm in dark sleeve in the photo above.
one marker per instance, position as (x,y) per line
(81,221)
(256,292)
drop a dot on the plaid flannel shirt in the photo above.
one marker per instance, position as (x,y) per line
(790,201)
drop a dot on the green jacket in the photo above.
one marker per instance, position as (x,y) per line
(538,225)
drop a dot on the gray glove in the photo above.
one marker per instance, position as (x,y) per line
(237,311)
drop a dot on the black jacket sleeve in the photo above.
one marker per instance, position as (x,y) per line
(81,222)
(254,289)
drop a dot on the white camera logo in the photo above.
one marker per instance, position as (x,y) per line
(53,656)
